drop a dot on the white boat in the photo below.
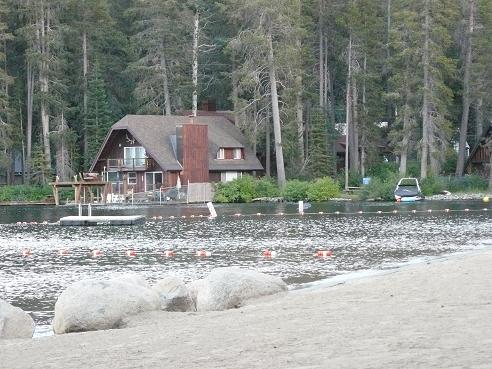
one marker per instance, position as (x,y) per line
(408,190)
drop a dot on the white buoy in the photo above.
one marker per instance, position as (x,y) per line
(211,209)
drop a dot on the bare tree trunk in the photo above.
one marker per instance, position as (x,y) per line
(479,119)
(235,91)
(466,89)
(363,143)
(196,30)
(348,109)
(425,106)
(85,67)
(165,84)
(30,96)
(406,136)
(267,144)
(43,82)
(326,73)
(321,56)
(354,147)
(277,131)
(299,114)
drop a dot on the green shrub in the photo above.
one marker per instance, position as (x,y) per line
(322,189)
(432,185)
(24,193)
(239,190)
(381,188)
(295,190)
(464,184)
(382,170)
(266,187)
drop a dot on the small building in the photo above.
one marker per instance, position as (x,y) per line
(147,152)
(479,160)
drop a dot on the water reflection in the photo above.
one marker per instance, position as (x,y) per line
(358,241)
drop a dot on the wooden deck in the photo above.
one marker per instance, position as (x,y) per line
(102,220)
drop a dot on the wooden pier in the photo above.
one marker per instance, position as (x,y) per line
(85,220)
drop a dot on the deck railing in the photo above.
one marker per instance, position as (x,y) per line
(129,164)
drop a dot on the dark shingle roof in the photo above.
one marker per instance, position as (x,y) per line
(154,133)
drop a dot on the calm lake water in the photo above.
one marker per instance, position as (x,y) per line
(359,241)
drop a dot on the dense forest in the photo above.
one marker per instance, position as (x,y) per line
(408,80)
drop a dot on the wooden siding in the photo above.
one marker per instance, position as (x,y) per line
(228,153)
(170,179)
(114,153)
(195,153)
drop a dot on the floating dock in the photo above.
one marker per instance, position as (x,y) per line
(85,220)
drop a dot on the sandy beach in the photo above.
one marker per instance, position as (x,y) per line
(429,315)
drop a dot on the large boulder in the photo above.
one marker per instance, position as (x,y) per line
(14,322)
(194,287)
(91,304)
(174,295)
(227,288)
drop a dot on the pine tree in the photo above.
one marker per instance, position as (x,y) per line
(99,115)
(320,161)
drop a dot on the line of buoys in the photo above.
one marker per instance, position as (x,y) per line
(237,215)
(323,253)
(32,223)
(96,253)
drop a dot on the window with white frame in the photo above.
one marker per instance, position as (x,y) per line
(238,154)
(221,154)
(132,178)
(229,176)
(134,156)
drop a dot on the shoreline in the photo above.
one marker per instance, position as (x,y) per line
(430,314)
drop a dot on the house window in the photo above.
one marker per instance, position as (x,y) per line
(132,178)
(134,156)
(221,154)
(229,176)
(238,154)
(153,181)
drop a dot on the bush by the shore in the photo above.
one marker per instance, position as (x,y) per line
(24,193)
(247,188)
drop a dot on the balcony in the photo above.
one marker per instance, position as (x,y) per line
(129,164)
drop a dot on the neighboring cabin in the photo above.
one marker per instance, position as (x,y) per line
(147,152)
(479,160)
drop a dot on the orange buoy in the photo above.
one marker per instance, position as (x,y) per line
(324,253)
(26,253)
(269,253)
(131,253)
(63,252)
(168,253)
(96,253)
(203,253)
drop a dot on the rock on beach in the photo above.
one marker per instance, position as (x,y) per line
(14,322)
(90,304)
(174,295)
(227,288)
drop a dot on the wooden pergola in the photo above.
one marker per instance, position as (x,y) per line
(83,189)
